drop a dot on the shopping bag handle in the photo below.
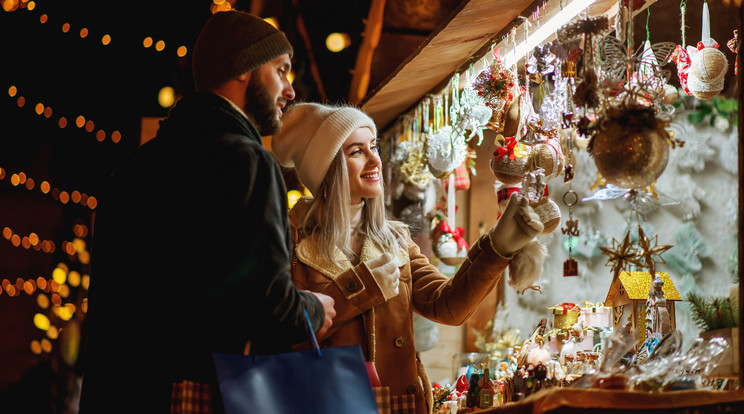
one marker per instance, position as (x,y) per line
(313,339)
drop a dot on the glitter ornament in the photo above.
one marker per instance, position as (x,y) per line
(448,250)
(496,86)
(549,213)
(549,157)
(509,163)
(631,149)
(445,151)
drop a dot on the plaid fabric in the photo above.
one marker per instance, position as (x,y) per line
(188,397)
(403,404)
(462,178)
(382,396)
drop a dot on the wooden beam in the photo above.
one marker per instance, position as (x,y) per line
(309,47)
(370,40)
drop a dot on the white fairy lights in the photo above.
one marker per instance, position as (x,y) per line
(546,29)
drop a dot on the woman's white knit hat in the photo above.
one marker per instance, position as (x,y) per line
(311,135)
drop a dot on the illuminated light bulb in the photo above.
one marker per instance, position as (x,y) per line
(12,91)
(89,126)
(74,279)
(43,18)
(52,332)
(336,42)
(45,187)
(83,33)
(65,27)
(7,233)
(2,174)
(160,45)
(92,202)
(272,21)
(218,2)
(35,347)
(39,109)
(147,42)
(11,290)
(80,121)
(30,183)
(31,5)
(116,136)
(64,197)
(69,248)
(42,300)
(56,299)
(21,101)
(62,122)
(15,240)
(84,257)
(25,242)
(15,179)
(292,197)
(34,238)
(85,283)
(22,177)
(166,97)
(47,112)
(182,50)
(29,287)
(59,275)
(10,5)
(75,196)
(105,40)
(100,135)
(64,290)
(19,283)
(84,306)
(41,321)
(46,346)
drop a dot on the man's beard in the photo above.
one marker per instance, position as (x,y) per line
(260,107)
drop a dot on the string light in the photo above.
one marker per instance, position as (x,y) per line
(80,121)
(75,196)
(15,5)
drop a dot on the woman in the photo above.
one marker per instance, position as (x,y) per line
(345,247)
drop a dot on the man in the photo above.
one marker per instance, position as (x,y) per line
(191,239)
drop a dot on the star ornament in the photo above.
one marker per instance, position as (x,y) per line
(650,252)
(620,255)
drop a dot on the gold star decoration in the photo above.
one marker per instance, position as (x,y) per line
(620,254)
(650,252)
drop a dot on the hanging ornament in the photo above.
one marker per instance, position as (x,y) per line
(449,245)
(496,85)
(549,213)
(733,45)
(630,147)
(470,112)
(509,162)
(549,157)
(445,149)
(570,266)
(702,69)
(413,216)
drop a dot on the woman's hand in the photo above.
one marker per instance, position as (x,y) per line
(386,273)
(517,226)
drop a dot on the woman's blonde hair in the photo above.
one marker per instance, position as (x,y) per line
(327,219)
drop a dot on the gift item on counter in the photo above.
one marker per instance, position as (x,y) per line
(596,315)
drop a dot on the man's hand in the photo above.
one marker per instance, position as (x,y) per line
(330,312)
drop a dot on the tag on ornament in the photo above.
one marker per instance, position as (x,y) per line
(570,268)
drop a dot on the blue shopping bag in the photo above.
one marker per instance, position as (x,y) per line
(331,380)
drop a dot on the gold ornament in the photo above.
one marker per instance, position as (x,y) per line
(631,148)
(620,255)
(496,85)
(549,157)
(650,252)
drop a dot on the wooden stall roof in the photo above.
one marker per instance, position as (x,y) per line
(465,37)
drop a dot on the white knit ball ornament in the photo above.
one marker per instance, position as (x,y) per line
(549,213)
(707,72)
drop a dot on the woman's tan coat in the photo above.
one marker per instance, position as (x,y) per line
(384,329)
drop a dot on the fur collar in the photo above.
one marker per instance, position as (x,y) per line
(308,253)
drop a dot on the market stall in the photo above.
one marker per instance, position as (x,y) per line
(561,103)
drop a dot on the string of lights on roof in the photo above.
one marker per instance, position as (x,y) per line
(64,197)
(32,241)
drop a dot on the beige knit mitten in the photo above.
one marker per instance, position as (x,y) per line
(516,227)
(386,273)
